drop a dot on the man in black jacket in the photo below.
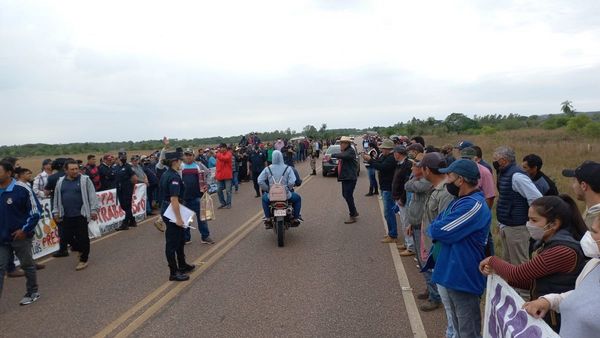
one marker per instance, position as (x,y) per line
(347,170)
(386,166)
(401,176)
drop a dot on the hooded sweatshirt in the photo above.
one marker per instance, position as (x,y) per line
(265,179)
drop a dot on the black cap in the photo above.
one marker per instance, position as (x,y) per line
(174,155)
(400,150)
(588,172)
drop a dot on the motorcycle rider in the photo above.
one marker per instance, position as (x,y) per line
(274,173)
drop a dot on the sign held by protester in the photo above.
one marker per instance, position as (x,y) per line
(504,316)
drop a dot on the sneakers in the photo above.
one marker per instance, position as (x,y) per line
(187,268)
(39,266)
(295,222)
(401,247)
(388,239)
(407,253)
(369,194)
(81,265)
(122,227)
(59,254)
(179,277)
(17,273)
(350,220)
(228,206)
(222,206)
(30,298)
(207,240)
(430,306)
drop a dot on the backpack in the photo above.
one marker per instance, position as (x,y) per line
(277,191)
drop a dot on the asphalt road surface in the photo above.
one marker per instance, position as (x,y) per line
(330,280)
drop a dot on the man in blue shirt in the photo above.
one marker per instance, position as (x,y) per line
(460,234)
(20,212)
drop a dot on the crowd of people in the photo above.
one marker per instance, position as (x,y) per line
(437,206)
(443,198)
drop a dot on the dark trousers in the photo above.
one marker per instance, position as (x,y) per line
(22,248)
(255,181)
(62,244)
(174,248)
(125,202)
(348,194)
(75,233)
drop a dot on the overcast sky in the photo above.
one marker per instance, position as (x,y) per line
(76,71)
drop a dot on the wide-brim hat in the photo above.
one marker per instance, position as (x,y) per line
(345,139)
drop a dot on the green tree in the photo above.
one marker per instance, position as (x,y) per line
(567,108)
(457,122)
(592,129)
(577,123)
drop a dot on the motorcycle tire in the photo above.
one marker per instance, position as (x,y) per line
(280,230)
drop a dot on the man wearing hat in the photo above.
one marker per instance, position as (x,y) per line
(438,199)
(460,234)
(125,179)
(171,190)
(347,174)
(401,176)
(586,185)
(386,166)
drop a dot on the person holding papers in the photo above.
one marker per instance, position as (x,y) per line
(171,190)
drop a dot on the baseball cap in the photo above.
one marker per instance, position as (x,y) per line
(464,144)
(588,172)
(465,168)
(188,151)
(400,150)
(432,160)
(416,147)
(468,153)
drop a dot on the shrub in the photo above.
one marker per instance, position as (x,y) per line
(592,129)
(577,123)
(487,130)
(555,122)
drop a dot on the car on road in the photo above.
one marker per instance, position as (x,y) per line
(330,164)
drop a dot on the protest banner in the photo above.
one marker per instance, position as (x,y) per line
(504,316)
(110,216)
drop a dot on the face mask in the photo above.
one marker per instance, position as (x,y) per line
(590,246)
(496,165)
(536,232)
(453,189)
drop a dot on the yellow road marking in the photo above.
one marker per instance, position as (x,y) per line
(223,247)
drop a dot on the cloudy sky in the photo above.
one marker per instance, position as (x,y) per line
(135,70)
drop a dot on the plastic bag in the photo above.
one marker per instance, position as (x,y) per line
(207,210)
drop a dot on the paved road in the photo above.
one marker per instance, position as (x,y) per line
(330,280)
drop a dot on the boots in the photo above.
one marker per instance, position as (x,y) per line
(376,191)
(370,193)
(132,223)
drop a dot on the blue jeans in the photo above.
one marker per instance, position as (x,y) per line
(348,194)
(434,295)
(194,205)
(235,181)
(388,213)
(450,331)
(372,179)
(296,201)
(465,313)
(224,185)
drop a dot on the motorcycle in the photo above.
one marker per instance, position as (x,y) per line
(281,219)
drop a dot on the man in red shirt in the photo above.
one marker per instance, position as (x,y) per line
(224,175)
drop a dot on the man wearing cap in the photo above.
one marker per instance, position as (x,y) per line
(460,234)
(194,182)
(401,176)
(419,189)
(40,181)
(516,192)
(386,166)
(438,199)
(125,180)
(347,174)
(486,182)
(532,164)
(586,185)
(171,190)
(224,175)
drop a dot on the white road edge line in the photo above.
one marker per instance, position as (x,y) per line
(412,310)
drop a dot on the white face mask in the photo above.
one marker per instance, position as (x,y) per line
(536,232)
(590,246)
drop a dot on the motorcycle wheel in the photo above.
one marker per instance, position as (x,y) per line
(280,226)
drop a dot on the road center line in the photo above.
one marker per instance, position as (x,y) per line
(204,262)
(416,323)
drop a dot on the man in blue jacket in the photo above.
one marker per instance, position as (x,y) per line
(460,234)
(20,212)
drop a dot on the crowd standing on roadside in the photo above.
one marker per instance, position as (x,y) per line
(437,204)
